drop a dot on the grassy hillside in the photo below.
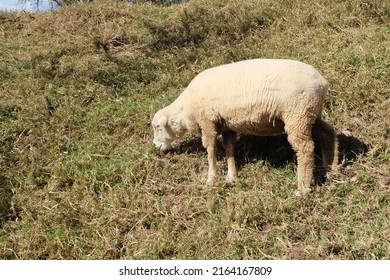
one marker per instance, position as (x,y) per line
(80,179)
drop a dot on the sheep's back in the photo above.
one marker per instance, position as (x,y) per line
(256,94)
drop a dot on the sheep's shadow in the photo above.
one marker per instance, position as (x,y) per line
(7,212)
(350,148)
(277,151)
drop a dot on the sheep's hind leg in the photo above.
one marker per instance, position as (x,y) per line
(209,139)
(326,136)
(301,140)
(228,139)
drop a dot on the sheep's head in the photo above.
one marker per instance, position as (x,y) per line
(163,134)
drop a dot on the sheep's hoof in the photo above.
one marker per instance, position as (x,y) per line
(210,180)
(231,179)
(302,192)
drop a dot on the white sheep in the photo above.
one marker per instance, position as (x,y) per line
(257,97)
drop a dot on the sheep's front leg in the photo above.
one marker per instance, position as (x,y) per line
(228,139)
(209,140)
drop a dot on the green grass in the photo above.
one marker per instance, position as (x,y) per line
(80,178)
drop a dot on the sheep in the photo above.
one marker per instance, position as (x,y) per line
(261,97)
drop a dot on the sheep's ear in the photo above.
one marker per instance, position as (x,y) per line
(162,121)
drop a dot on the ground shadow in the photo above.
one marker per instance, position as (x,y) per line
(350,148)
(5,200)
(277,151)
